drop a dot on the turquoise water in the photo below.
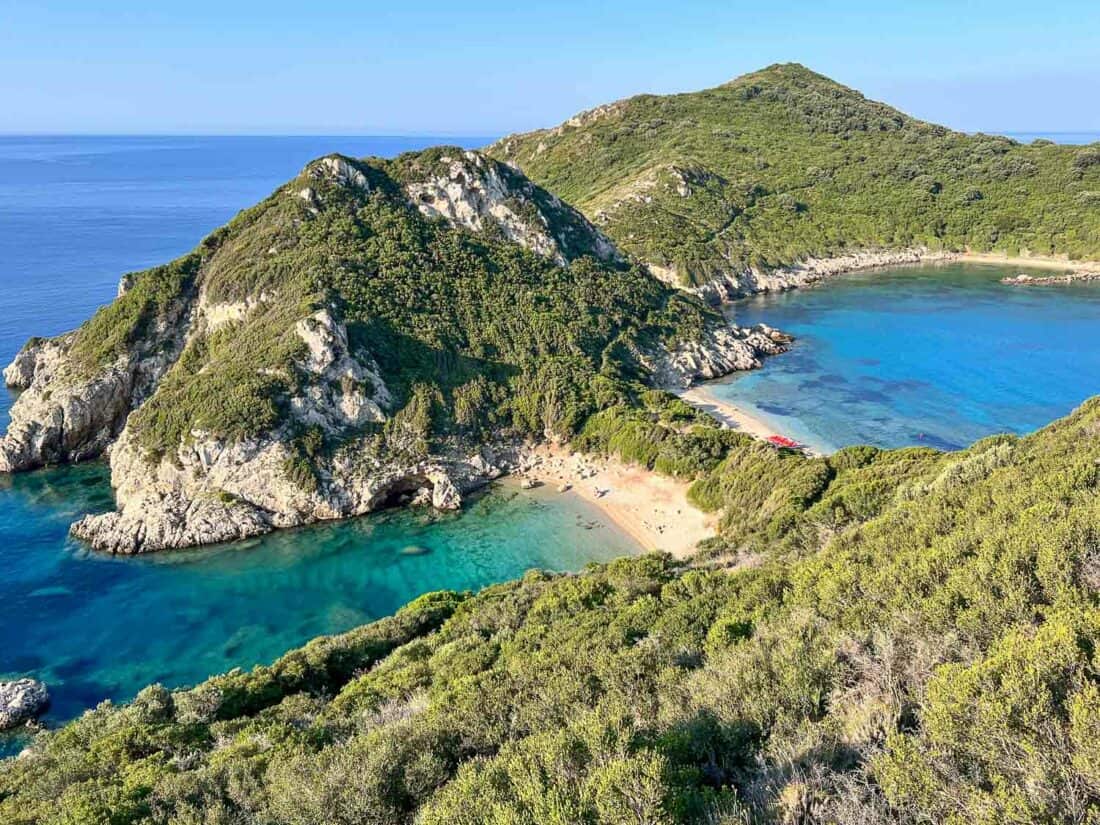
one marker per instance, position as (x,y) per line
(96,627)
(75,213)
(932,355)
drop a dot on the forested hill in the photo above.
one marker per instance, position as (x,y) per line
(877,636)
(784,164)
(361,334)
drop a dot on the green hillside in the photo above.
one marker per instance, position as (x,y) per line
(877,636)
(783,164)
(467,333)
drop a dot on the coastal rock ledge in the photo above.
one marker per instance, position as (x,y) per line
(21,701)
(734,284)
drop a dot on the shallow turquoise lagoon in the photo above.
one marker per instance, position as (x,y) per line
(96,627)
(932,355)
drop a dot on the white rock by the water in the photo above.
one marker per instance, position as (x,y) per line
(21,701)
(739,283)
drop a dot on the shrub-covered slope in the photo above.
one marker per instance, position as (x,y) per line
(784,164)
(878,636)
(357,337)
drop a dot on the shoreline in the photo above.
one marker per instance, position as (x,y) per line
(817,271)
(649,507)
(730,287)
(1027,262)
(731,416)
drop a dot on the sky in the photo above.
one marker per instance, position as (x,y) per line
(457,68)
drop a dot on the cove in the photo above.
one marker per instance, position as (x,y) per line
(76,213)
(935,355)
(97,627)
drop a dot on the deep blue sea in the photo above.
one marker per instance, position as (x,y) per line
(934,355)
(76,213)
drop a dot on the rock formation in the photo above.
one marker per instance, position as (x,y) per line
(21,701)
(729,286)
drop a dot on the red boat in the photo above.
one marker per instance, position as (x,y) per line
(783,441)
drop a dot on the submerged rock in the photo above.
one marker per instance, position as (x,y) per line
(21,701)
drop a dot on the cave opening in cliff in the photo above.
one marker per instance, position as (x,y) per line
(411,489)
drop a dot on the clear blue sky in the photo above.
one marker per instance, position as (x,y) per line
(485,68)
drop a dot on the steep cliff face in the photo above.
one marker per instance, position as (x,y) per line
(372,333)
(72,406)
(472,190)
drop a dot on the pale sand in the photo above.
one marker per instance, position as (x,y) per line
(731,415)
(651,508)
(1038,262)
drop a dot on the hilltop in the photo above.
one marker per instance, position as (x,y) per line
(720,186)
(375,331)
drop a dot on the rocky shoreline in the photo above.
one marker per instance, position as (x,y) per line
(1023,279)
(730,286)
(21,702)
(210,490)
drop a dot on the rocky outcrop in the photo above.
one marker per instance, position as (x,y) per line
(68,411)
(21,701)
(68,423)
(1023,279)
(345,391)
(474,191)
(213,492)
(719,352)
(730,286)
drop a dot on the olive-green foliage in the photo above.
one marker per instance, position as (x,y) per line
(503,337)
(659,432)
(911,639)
(124,323)
(783,164)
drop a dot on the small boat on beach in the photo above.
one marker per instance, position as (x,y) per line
(784,442)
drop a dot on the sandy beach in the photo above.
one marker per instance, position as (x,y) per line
(723,412)
(650,507)
(732,416)
(1030,262)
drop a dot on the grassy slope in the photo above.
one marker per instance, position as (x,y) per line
(483,332)
(904,636)
(784,163)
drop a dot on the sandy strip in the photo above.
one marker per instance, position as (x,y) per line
(701,397)
(1030,262)
(651,508)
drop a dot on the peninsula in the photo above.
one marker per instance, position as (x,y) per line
(372,332)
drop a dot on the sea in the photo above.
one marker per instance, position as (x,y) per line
(938,355)
(911,356)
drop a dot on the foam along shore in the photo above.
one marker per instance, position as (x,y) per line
(651,508)
(732,416)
